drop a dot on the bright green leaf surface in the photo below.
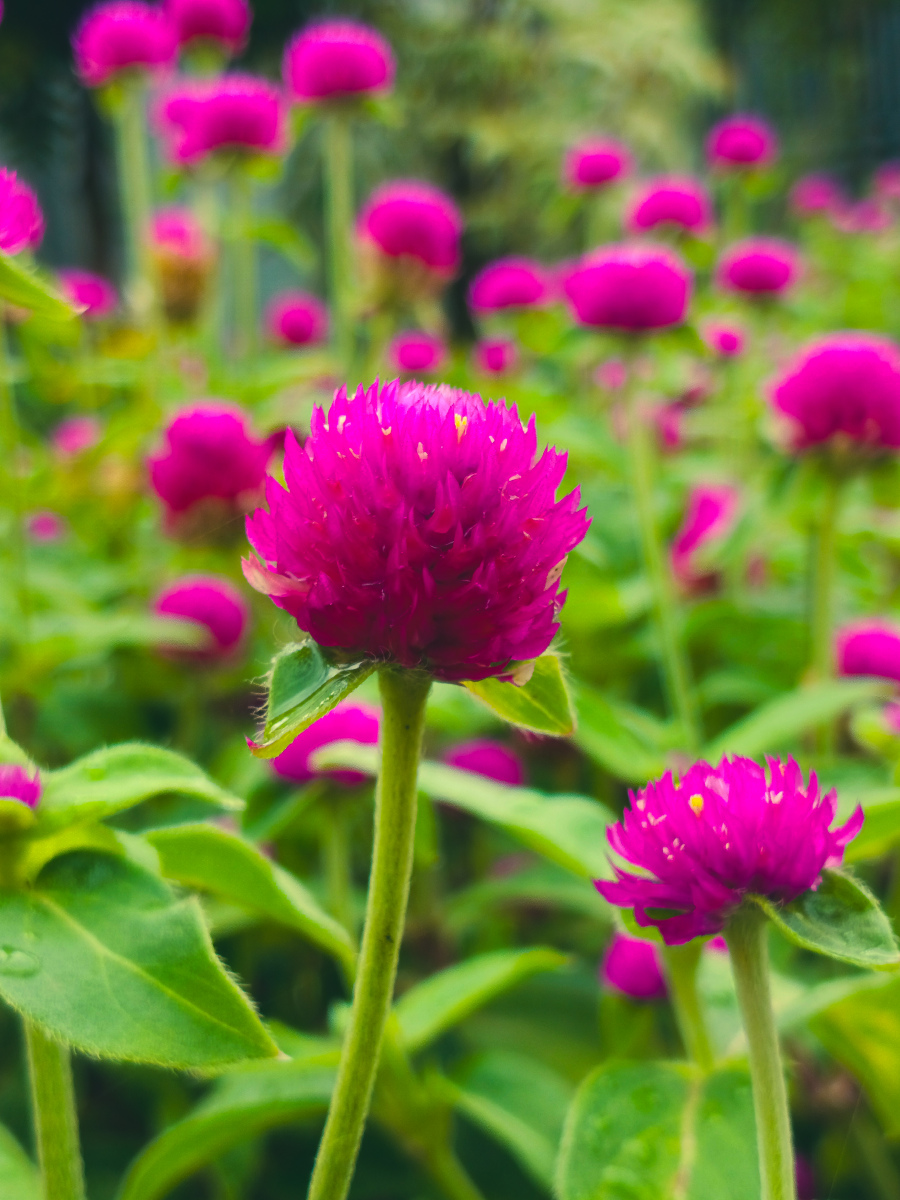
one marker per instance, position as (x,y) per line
(19,1179)
(23,286)
(543,704)
(604,738)
(104,956)
(542,883)
(881,829)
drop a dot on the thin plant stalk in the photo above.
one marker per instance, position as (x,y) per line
(338,163)
(682,964)
(243,258)
(9,447)
(55,1116)
(336,862)
(136,193)
(404,695)
(747,938)
(823,574)
(451,1177)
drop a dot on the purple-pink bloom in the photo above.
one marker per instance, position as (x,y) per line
(413,351)
(633,967)
(759,266)
(225,23)
(670,200)
(92,294)
(297,319)
(741,141)
(629,287)
(122,35)
(74,435)
(333,60)
(869,647)
(612,375)
(419,525)
(815,193)
(711,513)
(17,784)
(596,162)
(496,356)
(21,219)
(706,841)
(844,386)
(348,721)
(863,216)
(493,760)
(45,526)
(886,182)
(407,218)
(508,283)
(212,602)
(176,231)
(232,114)
(724,339)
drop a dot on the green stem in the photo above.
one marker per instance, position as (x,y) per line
(675,667)
(136,193)
(403,695)
(682,963)
(451,1177)
(55,1116)
(824,564)
(243,260)
(9,450)
(747,938)
(338,152)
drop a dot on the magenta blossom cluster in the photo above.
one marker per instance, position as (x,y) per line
(674,200)
(414,351)
(633,967)
(297,319)
(496,356)
(869,647)
(508,283)
(724,339)
(633,288)
(348,721)
(16,783)
(844,387)
(704,842)
(741,141)
(21,219)
(493,760)
(223,23)
(334,60)
(212,602)
(122,35)
(814,194)
(420,526)
(759,266)
(711,512)
(596,162)
(94,296)
(410,219)
(240,114)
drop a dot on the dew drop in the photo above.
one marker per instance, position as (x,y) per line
(19,963)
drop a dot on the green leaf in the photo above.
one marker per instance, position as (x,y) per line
(651,1131)
(778,723)
(213,860)
(543,704)
(543,883)
(25,287)
(841,919)
(443,1000)
(103,955)
(303,686)
(881,829)
(604,738)
(19,1178)
(118,777)
(287,239)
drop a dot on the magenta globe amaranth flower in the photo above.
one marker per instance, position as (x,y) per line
(633,288)
(741,141)
(493,760)
(416,351)
(865,216)
(724,339)
(496,356)
(336,60)
(711,513)
(759,267)
(845,389)
(633,967)
(677,201)
(704,842)
(348,721)
(297,319)
(21,219)
(816,193)
(419,526)
(74,435)
(869,647)
(596,162)
(93,295)
(409,219)
(236,114)
(17,783)
(886,182)
(508,283)
(45,526)
(222,23)
(122,35)
(212,602)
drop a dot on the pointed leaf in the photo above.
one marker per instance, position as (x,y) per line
(543,704)
(19,1178)
(105,957)
(881,830)
(23,286)
(605,738)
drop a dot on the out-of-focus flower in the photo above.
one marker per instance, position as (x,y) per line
(233,114)
(865,216)
(335,60)
(213,602)
(419,526)
(741,141)
(348,721)
(122,35)
(711,513)
(21,219)
(491,759)
(629,287)
(724,339)
(669,420)
(183,257)
(612,375)
(508,283)
(74,435)
(886,182)
(843,388)
(409,219)
(496,356)
(596,162)
(297,319)
(633,967)
(45,526)
(759,266)
(16,783)
(869,647)
(703,843)
(806,1179)
(92,294)
(816,193)
(224,23)
(414,350)
(670,200)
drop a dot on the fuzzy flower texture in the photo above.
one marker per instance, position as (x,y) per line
(419,526)
(718,834)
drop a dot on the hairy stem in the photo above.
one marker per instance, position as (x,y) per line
(682,963)
(55,1116)
(823,570)
(338,151)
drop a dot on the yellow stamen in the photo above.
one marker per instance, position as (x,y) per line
(461,423)
(696,803)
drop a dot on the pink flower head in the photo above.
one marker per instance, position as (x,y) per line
(630,287)
(177,231)
(508,283)
(122,35)
(865,216)
(45,526)
(415,350)
(846,386)
(212,602)
(711,512)
(333,60)
(209,452)
(496,356)
(346,722)
(703,843)
(669,420)
(419,526)
(17,784)
(886,182)
(92,294)
(759,266)
(297,319)
(74,435)
(869,647)
(741,141)
(596,162)
(234,113)
(816,194)
(415,220)
(21,219)
(724,340)
(633,967)
(611,375)
(223,22)
(491,759)
(670,200)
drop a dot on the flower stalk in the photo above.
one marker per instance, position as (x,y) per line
(824,564)
(682,964)
(243,258)
(55,1116)
(135,192)
(338,152)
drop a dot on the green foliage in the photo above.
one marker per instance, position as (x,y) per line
(541,705)
(19,1179)
(27,288)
